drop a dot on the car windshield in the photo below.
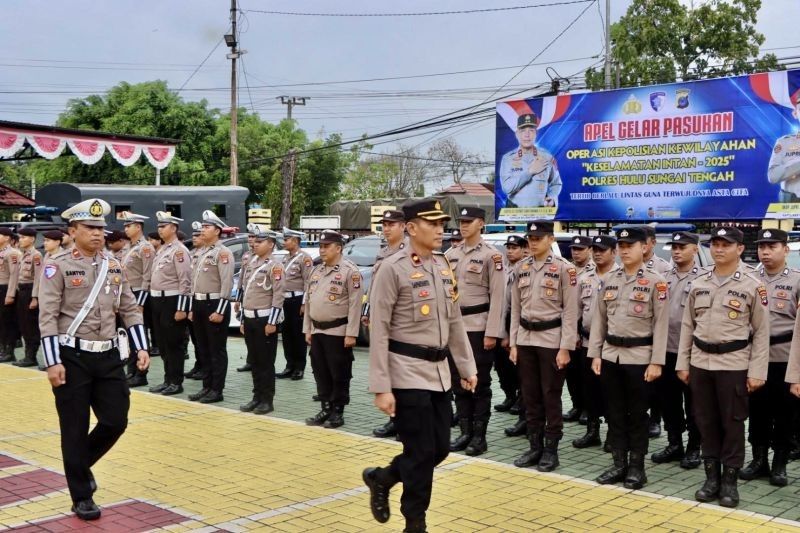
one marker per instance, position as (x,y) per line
(363,251)
(793,257)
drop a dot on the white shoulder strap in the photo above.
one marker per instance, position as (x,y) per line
(89,303)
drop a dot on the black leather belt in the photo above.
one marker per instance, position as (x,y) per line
(781,338)
(474,309)
(540,326)
(330,324)
(419,352)
(725,347)
(629,342)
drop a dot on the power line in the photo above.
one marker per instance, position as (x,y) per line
(200,65)
(247,84)
(419,14)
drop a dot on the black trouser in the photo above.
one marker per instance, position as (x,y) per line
(475,406)
(506,372)
(294,340)
(212,339)
(676,401)
(147,316)
(575,378)
(28,320)
(772,409)
(171,333)
(422,419)
(9,332)
(594,398)
(626,409)
(95,381)
(198,351)
(542,383)
(261,350)
(720,409)
(332,364)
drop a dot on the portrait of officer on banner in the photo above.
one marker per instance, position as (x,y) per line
(784,163)
(529,174)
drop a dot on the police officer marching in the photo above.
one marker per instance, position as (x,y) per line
(262,294)
(581,249)
(481,279)
(724,355)
(330,323)
(81,292)
(170,289)
(544,328)
(415,324)
(675,397)
(628,343)
(297,266)
(9,275)
(212,285)
(772,408)
(27,307)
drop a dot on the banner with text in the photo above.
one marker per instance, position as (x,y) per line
(726,148)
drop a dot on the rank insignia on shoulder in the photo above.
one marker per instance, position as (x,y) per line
(415,259)
(75,253)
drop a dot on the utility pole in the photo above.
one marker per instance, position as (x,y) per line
(230,40)
(291,101)
(608,45)
(288,168)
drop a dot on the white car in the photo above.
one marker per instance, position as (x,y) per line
(560,245)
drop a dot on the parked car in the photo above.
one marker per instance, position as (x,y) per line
(362,251)
(560,246)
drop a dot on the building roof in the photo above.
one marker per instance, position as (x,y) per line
(11,198)
(474,189)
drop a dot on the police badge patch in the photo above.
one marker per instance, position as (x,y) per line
(50,271)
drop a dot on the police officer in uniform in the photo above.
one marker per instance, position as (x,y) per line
(544,328)
(83,362)
(784,164)
(9,274)
(415,323)
(247,258)
(529,175)
(772,408)
(516,245)
(212,284)
(170,298)
(297,266)
(198,371)
(393,226)
(628,345)
(331,322)
(262,293)
(675,396)
(651,260)
(724,356)
(117,244)
(581,248)
(137,262)
(480,274)
(604,254)
(27,308)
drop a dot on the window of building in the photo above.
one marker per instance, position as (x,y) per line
(119,209)
(173,209)
(219,210)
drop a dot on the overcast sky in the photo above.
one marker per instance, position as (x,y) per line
(53,51)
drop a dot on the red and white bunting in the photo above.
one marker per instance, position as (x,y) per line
(125,154)
(159,156)
(10,142)
(47,146)
(89,152)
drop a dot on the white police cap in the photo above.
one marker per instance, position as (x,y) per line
(132,218)
(211,219)
(293,233)
(165,217)
(91,212)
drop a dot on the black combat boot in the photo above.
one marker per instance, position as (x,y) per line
(264,408)
(477,445)
(249,406)
(415,525)
(6,353)
(517,407)
(549,460)
(710,489)
(506,404)
(592,436)
(386,430)
(518,429)
(777,476)
(320,418)
(572,415)
(30,357)
(336,419)
(462,441)
(759,466)
(616,473)
(692,457)
(728,492)
(534,454)
(672,452)
(378,493)
(635,478)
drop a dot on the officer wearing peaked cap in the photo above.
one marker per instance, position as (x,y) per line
(480,274)
(784,163)
(212,284)
(170,296)
(261,298)
(248,257)
(651,260)
(297,266)
(414,324)
(723,355)
(198,371)
(82,290)
(26,307)
(9,274)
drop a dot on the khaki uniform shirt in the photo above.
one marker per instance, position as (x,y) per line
(481,279)
(784,163)
(545,291)
(585,268)
(659,265)
(172,271)
(793,368)
(679,284)
(589,284)
(67,281)
(137,262)
(30,266)
(631,308)
(262,289)
(248,260)
(415,301)
(718,312)
(297,270)
(9,268)
(783,292)
(37,277)
(213,272)
(334,292)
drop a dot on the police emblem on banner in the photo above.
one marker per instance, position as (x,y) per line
(657,100)
(682,98)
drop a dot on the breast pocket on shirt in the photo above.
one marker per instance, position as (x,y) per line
(75,282)
(548,289)
(473,274)
(702,303)
(335,293)
(611,298)
(424,301)
(524,284)
(639,305)
(736,309)
(781,302)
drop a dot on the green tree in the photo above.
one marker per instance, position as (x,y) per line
(397,174)
(662,41)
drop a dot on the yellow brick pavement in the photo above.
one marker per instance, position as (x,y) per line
(224,470)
